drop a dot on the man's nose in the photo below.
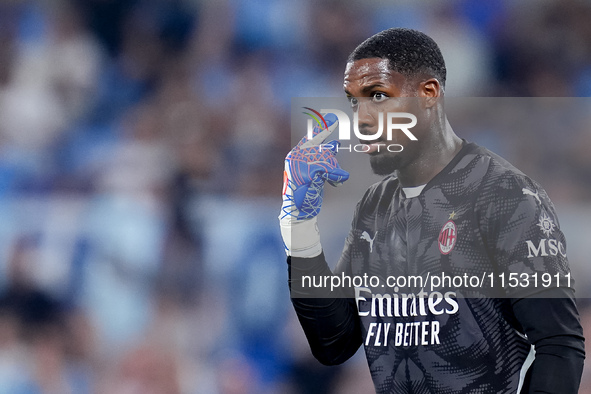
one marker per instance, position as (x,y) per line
(368,118)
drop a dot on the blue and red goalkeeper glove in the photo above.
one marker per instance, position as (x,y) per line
(308,166)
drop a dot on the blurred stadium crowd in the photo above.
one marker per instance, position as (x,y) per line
(142,143)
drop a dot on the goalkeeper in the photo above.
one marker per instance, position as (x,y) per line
(444,206)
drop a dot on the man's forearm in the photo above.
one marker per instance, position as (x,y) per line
(557,368)
(552,325)
(329,320)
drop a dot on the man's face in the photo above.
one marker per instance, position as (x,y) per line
(374,90)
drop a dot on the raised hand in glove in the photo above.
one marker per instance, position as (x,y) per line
(308,166)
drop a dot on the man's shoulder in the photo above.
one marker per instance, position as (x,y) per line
(484,158)
(499,166)
(471,172)
(502,179)
(494,168)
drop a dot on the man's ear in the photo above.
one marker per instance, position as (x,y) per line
(431,90)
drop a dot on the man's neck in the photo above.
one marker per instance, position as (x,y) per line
(436,155)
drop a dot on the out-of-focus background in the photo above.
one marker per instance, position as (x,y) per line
(142,146)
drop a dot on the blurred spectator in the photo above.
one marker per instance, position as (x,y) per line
(45,350)
(141,147)
(144,370)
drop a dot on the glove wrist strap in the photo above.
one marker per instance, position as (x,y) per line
(301,237)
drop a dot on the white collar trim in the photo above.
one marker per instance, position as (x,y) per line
(411,192)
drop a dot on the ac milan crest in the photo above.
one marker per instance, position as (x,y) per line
(447,237)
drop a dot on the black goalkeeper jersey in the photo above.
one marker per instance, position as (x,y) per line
(442,272)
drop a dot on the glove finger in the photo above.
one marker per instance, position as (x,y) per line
(299,195)
(320,134)
(307,193)
(332,146)
(336,176)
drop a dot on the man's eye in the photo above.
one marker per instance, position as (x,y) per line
(354,103)
(379,97)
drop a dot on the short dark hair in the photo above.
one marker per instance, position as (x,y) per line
(410,52)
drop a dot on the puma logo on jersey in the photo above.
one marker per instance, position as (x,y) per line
(365,236)
(528,192)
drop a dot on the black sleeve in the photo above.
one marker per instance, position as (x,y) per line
(552,325)
(329,320)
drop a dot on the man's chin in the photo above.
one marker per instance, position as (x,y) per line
(383,164)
